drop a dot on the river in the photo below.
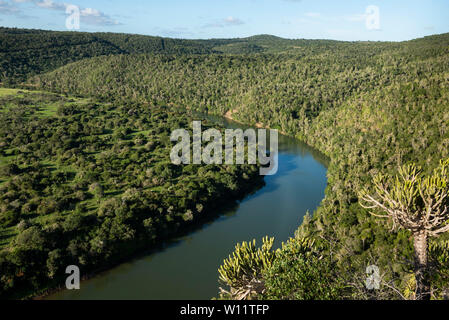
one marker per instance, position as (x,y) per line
(186,268)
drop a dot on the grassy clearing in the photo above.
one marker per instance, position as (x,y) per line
(8,92)
(47,110)
(6,234)
(12,91)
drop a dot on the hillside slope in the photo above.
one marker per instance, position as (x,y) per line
(29,52)
(24,52)
(369,106)
(92,184)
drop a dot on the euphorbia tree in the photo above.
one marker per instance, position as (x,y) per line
(415,202)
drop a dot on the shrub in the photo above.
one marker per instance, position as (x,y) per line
(242,271)
(301,272)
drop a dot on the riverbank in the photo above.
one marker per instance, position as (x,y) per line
(228,115)
(111,194)
(210,215)
(187,268)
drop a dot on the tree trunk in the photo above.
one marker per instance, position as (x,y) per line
(421,272)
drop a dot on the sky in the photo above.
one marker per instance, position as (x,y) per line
(349,20)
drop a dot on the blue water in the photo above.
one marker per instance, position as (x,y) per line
(187,267)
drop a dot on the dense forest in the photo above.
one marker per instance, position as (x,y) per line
(370,106)
(93,183)
(27,52)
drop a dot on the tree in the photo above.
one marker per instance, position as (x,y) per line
(97,190)
(301,271)
(242,271)
(418,203)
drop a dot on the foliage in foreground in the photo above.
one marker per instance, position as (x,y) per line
(297,271)
(302,272)
(415,202)
(242,271)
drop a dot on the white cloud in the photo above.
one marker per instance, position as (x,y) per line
(90,12)
(233,21)
(7,8)
(89,16)
(49,4)
(95,17)
(227,22)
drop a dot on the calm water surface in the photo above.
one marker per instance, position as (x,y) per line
(186,268)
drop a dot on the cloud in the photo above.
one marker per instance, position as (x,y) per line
(8,8)
(95,17)
(89,16)
(231,21)
(177,32)
(50,4)
(227,22)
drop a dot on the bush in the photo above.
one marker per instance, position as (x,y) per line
(9,218)
(300,272)
(242,271)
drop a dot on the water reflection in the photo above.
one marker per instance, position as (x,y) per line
(186,268)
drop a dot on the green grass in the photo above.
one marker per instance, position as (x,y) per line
(6,159)
(6,234)
(48,110)
(8,92)
(11,91)
(144,132)
(43,110)
(44,106)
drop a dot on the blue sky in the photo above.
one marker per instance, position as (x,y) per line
(311,19)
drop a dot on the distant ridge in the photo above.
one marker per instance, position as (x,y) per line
(28,52)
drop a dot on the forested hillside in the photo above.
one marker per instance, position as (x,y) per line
(93,183)
(28,52)
(24,53)
(369,106)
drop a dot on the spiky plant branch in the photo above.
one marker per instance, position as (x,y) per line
(414,202)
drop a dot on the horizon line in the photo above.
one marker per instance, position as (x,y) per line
(236,38)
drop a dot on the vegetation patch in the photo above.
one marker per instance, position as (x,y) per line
(91,183)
